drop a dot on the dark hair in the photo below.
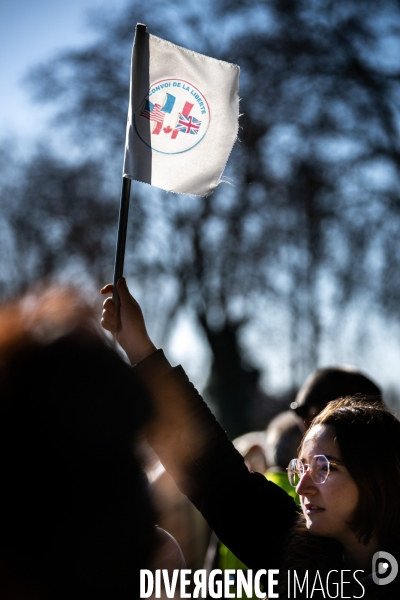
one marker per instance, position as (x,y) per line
(282,438)
(331,383)
(75,506)
(368,435)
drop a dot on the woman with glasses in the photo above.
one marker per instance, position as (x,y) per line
(347,475)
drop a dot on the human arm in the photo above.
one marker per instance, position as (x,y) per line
(249,514)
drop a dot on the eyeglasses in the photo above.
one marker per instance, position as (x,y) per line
(319,468)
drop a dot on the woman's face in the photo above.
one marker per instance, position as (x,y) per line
(328,507)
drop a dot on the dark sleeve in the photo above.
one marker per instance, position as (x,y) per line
(249,514)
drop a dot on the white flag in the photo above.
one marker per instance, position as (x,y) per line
(182,118)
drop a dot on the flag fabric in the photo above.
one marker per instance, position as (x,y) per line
(188,124)
(147,109)
(182,118)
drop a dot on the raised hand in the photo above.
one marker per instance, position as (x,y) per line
(128,327)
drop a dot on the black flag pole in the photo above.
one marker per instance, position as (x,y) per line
(121,237)
(139,70)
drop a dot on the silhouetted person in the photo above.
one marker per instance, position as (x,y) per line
(328,384)
(76,520)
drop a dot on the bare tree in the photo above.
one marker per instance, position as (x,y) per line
(321,105)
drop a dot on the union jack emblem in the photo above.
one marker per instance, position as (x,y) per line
(188,124)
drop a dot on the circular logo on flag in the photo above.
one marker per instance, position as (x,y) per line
(173,118)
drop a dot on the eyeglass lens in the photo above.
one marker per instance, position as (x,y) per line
(319,468)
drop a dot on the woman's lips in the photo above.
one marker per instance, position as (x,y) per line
(312,508)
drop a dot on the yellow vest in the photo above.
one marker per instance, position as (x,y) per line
(227,560)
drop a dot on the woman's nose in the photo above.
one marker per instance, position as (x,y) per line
(305,484)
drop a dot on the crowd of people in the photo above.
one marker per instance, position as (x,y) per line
(317,494)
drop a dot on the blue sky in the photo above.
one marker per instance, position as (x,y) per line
(32,31)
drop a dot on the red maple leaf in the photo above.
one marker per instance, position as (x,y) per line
(167,129)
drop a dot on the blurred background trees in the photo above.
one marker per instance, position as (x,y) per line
(309,228)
